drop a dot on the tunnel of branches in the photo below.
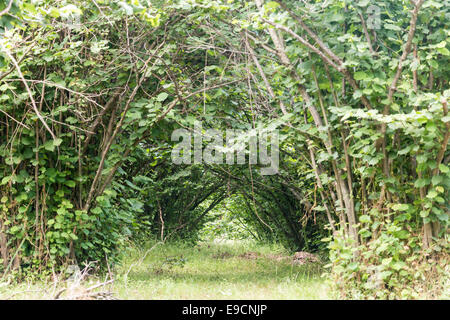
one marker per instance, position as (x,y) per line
(177,200)
(87,114)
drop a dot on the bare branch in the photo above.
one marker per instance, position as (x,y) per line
(6,10)
(306,43)
(30,94)
(407,50)
(314,36)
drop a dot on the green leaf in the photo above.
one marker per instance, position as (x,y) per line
(364,218)
(436,180)
(127,8)
(357,94)
(70,183)
(5,180)
(57,142)
(443,217)
(443,51)
(404,150)
(54,13)
(432,194)
(271,5)
(96,210)
(424,213)
(162,96)
(49,145)
(353,266)
(362,3)
(393,27)
(14,229)
(400,207)
(402,234)
(73,236)
(360,75)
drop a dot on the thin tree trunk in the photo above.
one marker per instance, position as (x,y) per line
(3,246)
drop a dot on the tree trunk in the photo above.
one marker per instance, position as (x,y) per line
(3,246)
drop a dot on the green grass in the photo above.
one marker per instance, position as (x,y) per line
(218,271)
(231,270)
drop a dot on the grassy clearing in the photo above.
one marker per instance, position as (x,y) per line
(227,270)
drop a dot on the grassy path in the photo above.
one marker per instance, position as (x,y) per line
(220,271)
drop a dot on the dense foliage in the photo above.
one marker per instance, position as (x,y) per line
(90,92)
